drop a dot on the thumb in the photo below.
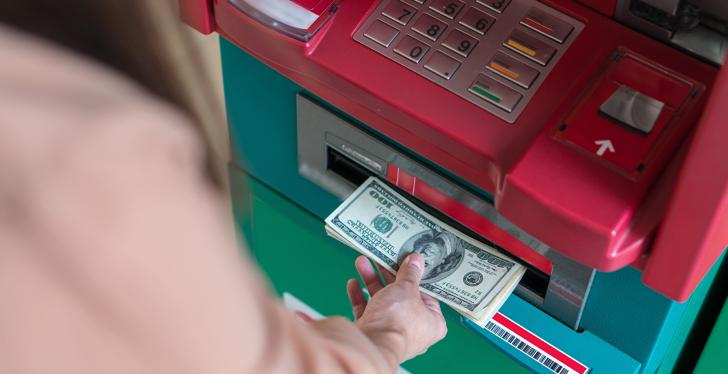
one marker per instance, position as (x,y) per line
(410,272)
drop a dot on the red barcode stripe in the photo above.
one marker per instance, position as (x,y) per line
(540,343)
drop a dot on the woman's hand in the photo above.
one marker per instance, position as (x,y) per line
(399,319)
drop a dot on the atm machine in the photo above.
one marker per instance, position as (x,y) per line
(584,138)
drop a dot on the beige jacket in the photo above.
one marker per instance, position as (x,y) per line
(115,254)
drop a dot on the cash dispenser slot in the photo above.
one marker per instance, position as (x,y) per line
(347,168)
(350,156)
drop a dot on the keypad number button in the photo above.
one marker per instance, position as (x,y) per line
(448,8)
(381,33)
(399,12)
(411,49)
(442,65)
(429,27)
(460,43)
(495,5)
(477,21)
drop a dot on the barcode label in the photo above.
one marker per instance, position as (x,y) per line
(536,349)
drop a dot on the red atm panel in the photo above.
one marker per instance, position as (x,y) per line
(600,211)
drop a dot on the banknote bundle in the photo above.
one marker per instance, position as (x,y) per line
(470,276)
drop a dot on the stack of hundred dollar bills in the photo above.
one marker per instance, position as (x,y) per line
(470,276)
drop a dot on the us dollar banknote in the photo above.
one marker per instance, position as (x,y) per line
(468,275)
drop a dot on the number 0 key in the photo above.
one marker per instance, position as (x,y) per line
(411,49)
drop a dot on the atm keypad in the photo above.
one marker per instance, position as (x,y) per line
(492,53)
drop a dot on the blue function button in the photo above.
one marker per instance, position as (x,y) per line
(411,49)
(429,27)
(399,12)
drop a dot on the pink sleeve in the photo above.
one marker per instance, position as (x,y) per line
(115,254)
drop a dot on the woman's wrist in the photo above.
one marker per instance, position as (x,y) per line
(390,342)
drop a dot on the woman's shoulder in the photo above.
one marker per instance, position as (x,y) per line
(59,108)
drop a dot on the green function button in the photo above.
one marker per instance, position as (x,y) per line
(495,93)
(484,92)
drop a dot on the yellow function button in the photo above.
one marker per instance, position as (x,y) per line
(522,48)
(529,46)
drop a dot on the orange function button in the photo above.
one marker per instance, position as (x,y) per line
(530,47)
(547,25)
(512,69)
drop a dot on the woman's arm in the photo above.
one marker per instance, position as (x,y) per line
(116,256)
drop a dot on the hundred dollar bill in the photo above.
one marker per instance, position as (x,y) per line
(466,274)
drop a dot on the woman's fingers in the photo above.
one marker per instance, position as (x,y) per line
(368,275)
(356,296)
(388,277)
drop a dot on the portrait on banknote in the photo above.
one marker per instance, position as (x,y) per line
(443,252)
